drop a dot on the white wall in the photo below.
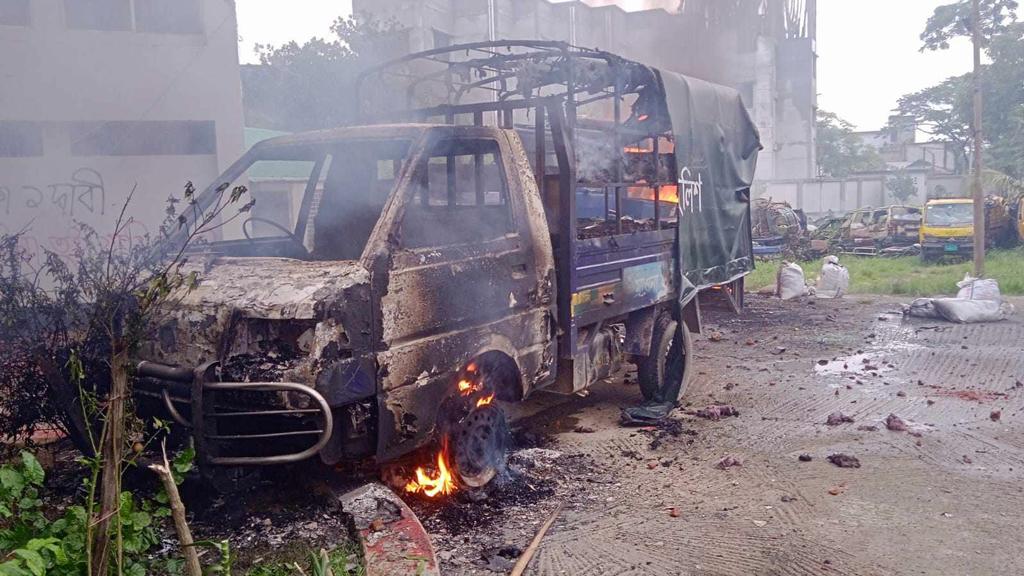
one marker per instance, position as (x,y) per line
(818,197)
(56,78)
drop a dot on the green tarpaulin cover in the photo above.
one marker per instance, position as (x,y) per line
(716,155)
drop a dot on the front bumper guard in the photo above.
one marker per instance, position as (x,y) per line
(205,384)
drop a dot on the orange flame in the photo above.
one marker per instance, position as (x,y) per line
(637,150)
(440,481)
(441,484)
(668,193)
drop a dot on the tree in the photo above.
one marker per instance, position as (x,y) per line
(1003,89)
(944,112)
(901,186)
(71,330)
(840,151)
(982,20)
(954,20)
(310,86)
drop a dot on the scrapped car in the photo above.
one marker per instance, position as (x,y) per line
(947,229)
(775,226)
(400,281)
(870,230)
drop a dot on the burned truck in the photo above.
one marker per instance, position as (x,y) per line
(513,217)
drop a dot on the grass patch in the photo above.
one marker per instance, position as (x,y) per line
(907,276)
(343,561)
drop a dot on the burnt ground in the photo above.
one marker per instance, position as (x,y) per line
(943,497)
(731,496)
(281,514)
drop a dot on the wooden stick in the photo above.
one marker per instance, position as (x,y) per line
(527,555)
(192,565)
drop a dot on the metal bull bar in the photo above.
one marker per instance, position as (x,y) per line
(204,383)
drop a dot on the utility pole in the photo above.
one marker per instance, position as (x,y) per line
(979,193)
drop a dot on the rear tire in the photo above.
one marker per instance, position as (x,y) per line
(666,352)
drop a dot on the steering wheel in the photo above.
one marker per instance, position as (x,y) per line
(290,235)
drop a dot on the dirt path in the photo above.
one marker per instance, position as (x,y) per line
(944,497)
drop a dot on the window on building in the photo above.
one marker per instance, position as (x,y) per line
(169,16)
(461,197)
(98,14)
(20,139)
(442,40)
(15,12)
(155,138)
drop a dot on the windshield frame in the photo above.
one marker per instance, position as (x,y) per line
(930,214)
(273,150)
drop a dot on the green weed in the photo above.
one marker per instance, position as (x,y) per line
(908,276)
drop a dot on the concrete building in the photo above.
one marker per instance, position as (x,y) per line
(101,96)
(898,145)
(931,166)
(934,168)
(764,49)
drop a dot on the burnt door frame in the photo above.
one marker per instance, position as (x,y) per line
(440,306)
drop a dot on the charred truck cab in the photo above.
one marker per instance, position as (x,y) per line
(541,215)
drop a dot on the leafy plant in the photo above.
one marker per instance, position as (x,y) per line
(71,344)
(31,544)
(840,151)
(901,186)
(312,85)
(945,110)
(341,561)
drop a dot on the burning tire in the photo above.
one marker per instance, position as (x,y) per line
(669,358)
(481,441)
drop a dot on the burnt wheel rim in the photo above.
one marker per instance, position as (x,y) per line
(481,442)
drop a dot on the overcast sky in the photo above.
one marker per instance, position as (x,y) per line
(868,49)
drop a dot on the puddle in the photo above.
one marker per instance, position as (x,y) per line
(893,332)
(891,339)
(863,364)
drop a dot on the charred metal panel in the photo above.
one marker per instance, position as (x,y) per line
(691,316)
(273,319)
(637,287)
(444,305)
(640,331)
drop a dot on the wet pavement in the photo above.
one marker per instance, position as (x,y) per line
(943,497)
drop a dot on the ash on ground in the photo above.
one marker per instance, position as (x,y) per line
(484,531)
(281,514)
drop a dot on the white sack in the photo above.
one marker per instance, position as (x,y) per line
(922,308)
(965,311)
(834,281)
(975,289)
(790,282)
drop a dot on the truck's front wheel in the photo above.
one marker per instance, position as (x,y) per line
(665,372)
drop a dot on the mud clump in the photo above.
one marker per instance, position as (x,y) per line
(717,412)
(844,461)
(837,418)
(728,462)
(895,424)
(665,430)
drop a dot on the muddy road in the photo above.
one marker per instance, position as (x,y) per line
(943,496)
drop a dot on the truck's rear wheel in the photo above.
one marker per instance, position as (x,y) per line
(668,364)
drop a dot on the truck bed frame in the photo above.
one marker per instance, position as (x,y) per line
(540,89)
